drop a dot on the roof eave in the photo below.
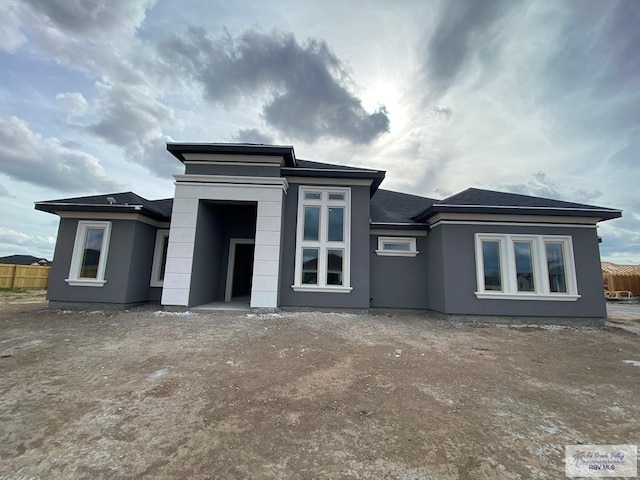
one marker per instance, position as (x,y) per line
(377,176)
(399,225)
(601,214)
(50,207)
(286,151)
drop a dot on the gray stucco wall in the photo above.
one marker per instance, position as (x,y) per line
(140,263)
(359,296)
(399,282)
(155,294)
(233,170)
(435,270)
(459,268)
(128,267)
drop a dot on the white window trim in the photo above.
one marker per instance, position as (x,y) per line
(157,259)
(322,244)
(411,241)
(540,272)
(78,248)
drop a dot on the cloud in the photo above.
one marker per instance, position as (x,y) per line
(306,87)
(97,37)
(541,185)
(11,36)
(75,103)
(3,191)
(15,242)
(133,119)
(100,38)
(253,135)
(44,161)
(628,155)
(98,18)
(462,32)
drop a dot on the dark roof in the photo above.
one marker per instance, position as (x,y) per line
(477,196)
(164,206)
(308,168)
(286,151)
(128,202)
(23,260)
(475,200)
(329,166)
(397,208)
(394,209)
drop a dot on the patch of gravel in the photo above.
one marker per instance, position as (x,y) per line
(297,395)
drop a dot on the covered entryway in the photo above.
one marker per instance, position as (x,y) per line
(223,249)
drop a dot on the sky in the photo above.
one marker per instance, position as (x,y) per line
(532,97)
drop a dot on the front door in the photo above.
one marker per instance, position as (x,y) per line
(242,270)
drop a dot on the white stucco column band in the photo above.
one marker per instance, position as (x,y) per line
(268,192)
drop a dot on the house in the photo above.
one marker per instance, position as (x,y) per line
(254,222)
(24,260)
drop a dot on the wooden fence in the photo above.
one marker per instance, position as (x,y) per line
(23,276)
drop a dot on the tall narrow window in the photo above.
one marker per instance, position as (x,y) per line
(310,266)
(491,263)
(524,266)
(88,261)
(91,253)
(334,266)
(311,223)
(336,224)
(322,243)
(556,267)
(160,258)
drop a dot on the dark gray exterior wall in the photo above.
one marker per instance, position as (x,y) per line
(140,263)
(233,170)
(207,257)
(399,282)
(459,274)
(128,267)
(359,296)
(155,294)
(435,270)
(217,224)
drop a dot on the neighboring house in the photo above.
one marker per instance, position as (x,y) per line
(256,223)
(24,260)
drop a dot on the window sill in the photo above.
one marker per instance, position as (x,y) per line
(78,282)
(157,284)
(390,253)
(316,289)
(527,296)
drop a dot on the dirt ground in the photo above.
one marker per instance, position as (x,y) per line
(148,394)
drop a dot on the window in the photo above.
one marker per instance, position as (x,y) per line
(322,243)
(525,267)
(160,258)
(397,246)
(89,258)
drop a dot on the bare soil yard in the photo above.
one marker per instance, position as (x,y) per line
(147,394)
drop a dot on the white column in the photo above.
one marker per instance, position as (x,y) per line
(266,262)
(182,234)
